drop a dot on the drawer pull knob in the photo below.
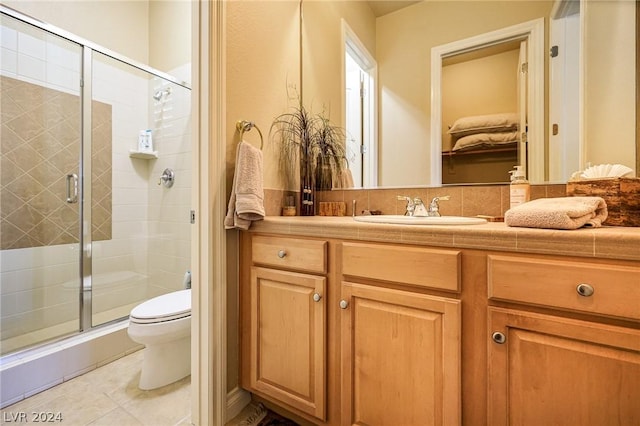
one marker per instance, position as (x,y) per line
(584,290)
(281,254)
(316,297)
(498,337)
(344,304)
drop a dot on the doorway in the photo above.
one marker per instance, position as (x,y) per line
(564,91)
(533,33)
(359,110)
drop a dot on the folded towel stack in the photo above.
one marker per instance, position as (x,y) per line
(246,203)
(558,213)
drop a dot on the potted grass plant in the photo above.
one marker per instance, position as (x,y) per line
(311,148)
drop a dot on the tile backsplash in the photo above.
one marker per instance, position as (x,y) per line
(491,200)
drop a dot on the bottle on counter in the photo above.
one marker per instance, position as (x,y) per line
(519,190)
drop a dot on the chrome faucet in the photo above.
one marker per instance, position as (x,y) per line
(419,209)
(410,205)
(434,208)
(415,207)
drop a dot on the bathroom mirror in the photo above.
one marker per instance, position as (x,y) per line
(397,38)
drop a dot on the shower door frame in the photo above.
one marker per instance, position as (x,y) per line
(86,296)
(85,237)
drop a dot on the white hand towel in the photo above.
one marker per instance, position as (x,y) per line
(558,213)
(246,203)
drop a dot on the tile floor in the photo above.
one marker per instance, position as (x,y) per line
(108,396)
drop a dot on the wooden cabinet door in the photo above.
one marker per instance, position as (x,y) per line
(400,357)
(287,349)
(556,371)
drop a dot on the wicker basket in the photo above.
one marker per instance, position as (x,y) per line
(622,196)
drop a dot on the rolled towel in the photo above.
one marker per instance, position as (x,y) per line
(558,213)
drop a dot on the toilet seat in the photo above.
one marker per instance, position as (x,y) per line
(167,307)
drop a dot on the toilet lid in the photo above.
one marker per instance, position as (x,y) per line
(166,307)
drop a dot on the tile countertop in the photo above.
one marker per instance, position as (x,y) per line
(607,242)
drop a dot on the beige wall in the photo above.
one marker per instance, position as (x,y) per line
(169,34)
(262,68)
(156,33)
(610,78)
(404,42)
(262,57)
(100,22)
(322,44)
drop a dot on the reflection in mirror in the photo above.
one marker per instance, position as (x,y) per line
(400,42)
(480,134)
(360,85)
(485,90)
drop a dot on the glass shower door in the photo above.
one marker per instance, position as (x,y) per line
(140,228)
(40,151)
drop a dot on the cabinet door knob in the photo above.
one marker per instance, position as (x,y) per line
(316,297)
(344,304)
(498,337)
(281,254)
(585,290)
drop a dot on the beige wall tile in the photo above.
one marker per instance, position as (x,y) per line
(39,147)
(485,200)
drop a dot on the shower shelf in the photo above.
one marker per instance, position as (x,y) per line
(147,155)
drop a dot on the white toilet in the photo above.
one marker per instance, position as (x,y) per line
(163,325)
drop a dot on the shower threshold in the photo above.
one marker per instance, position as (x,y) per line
(26,373)
(60,331)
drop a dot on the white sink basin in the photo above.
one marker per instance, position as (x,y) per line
(413,220)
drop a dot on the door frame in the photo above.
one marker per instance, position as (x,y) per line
(533,32)
(208,237)
(367,62)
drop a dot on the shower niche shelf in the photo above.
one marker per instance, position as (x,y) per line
(146,155)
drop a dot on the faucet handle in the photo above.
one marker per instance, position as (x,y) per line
(443,198)
(434,208)
(410,205)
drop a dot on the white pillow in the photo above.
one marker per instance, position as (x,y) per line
(484,124)
(485,140)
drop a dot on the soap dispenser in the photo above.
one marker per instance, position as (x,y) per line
(519,190)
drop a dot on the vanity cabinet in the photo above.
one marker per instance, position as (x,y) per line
(347,331)
(400,348)
(285,316)
(385,351)
(553,369)
(400,357)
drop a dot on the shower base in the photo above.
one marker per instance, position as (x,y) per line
(29,372)
(25,340)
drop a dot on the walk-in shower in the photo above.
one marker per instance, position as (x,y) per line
(86,231)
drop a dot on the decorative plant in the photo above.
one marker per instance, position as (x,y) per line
(311,147)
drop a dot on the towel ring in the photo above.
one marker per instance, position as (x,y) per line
(245,126)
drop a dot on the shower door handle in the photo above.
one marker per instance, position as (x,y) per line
(72,188)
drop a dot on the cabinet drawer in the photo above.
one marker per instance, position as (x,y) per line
(417,266)
(566,284)
(290,253)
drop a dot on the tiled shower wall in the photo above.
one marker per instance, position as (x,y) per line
(169,208)
(148,252)
(39,146)
(119,265)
